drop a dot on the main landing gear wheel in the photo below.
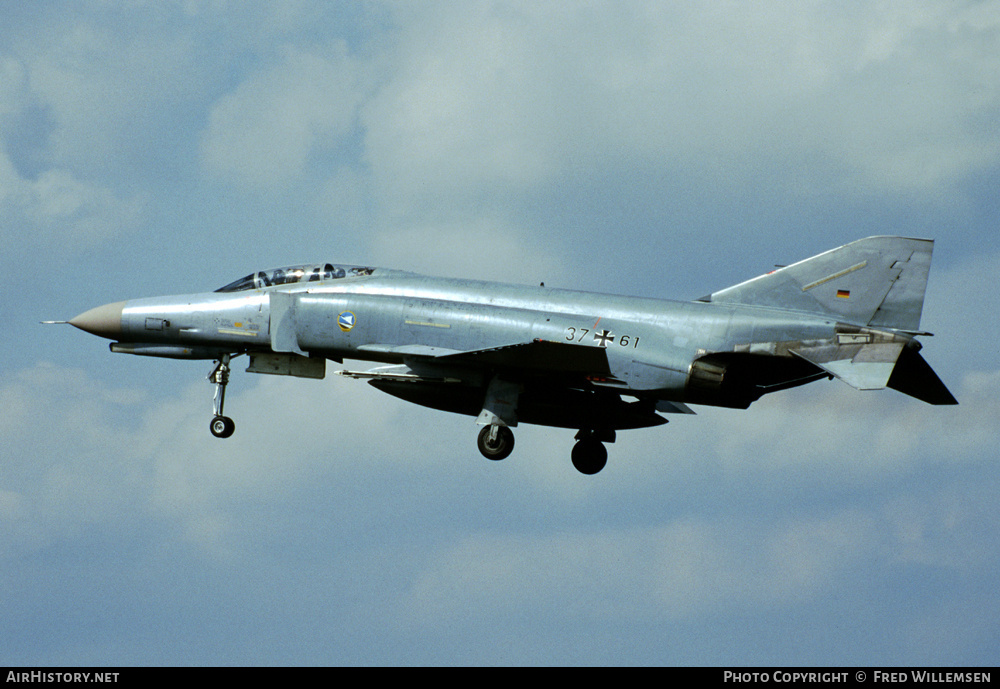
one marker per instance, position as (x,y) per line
(496,442)
(222,426)
(589,456)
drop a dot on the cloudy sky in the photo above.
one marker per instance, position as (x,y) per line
(657,149)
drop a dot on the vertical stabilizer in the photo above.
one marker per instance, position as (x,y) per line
(878,282)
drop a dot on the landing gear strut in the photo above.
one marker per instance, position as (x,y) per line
(221,426)
(496,440)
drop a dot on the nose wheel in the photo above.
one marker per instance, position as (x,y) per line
(221,426)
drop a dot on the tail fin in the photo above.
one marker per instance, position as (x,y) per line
(878,282)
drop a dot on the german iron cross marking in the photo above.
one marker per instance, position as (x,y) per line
(603,338)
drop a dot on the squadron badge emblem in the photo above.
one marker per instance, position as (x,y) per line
(346,321)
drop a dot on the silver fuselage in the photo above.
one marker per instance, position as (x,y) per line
(650,343)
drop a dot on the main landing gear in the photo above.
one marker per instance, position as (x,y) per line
(496,442)
(589,455)
(221,426)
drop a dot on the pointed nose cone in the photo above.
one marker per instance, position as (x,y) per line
(104,321)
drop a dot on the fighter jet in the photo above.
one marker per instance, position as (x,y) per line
(594,363)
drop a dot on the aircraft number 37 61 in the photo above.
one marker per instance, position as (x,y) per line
(603,338)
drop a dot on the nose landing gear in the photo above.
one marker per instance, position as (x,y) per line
(221,426)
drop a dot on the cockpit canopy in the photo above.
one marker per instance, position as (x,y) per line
(310,272)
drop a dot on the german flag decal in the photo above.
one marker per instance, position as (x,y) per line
(844,293)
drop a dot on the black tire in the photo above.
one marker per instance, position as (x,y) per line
(501,447)
(222,426)
(589,456)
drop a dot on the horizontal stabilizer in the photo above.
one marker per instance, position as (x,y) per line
(913,376)
(862,366)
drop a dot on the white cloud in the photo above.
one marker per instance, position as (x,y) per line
(482,247)
(686,567)
(58,212)
(12,85)
(265,131)
(511,96)
(846,435)
(109,83)
(458,110)
(68,93)
(64,469)
(345,203)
